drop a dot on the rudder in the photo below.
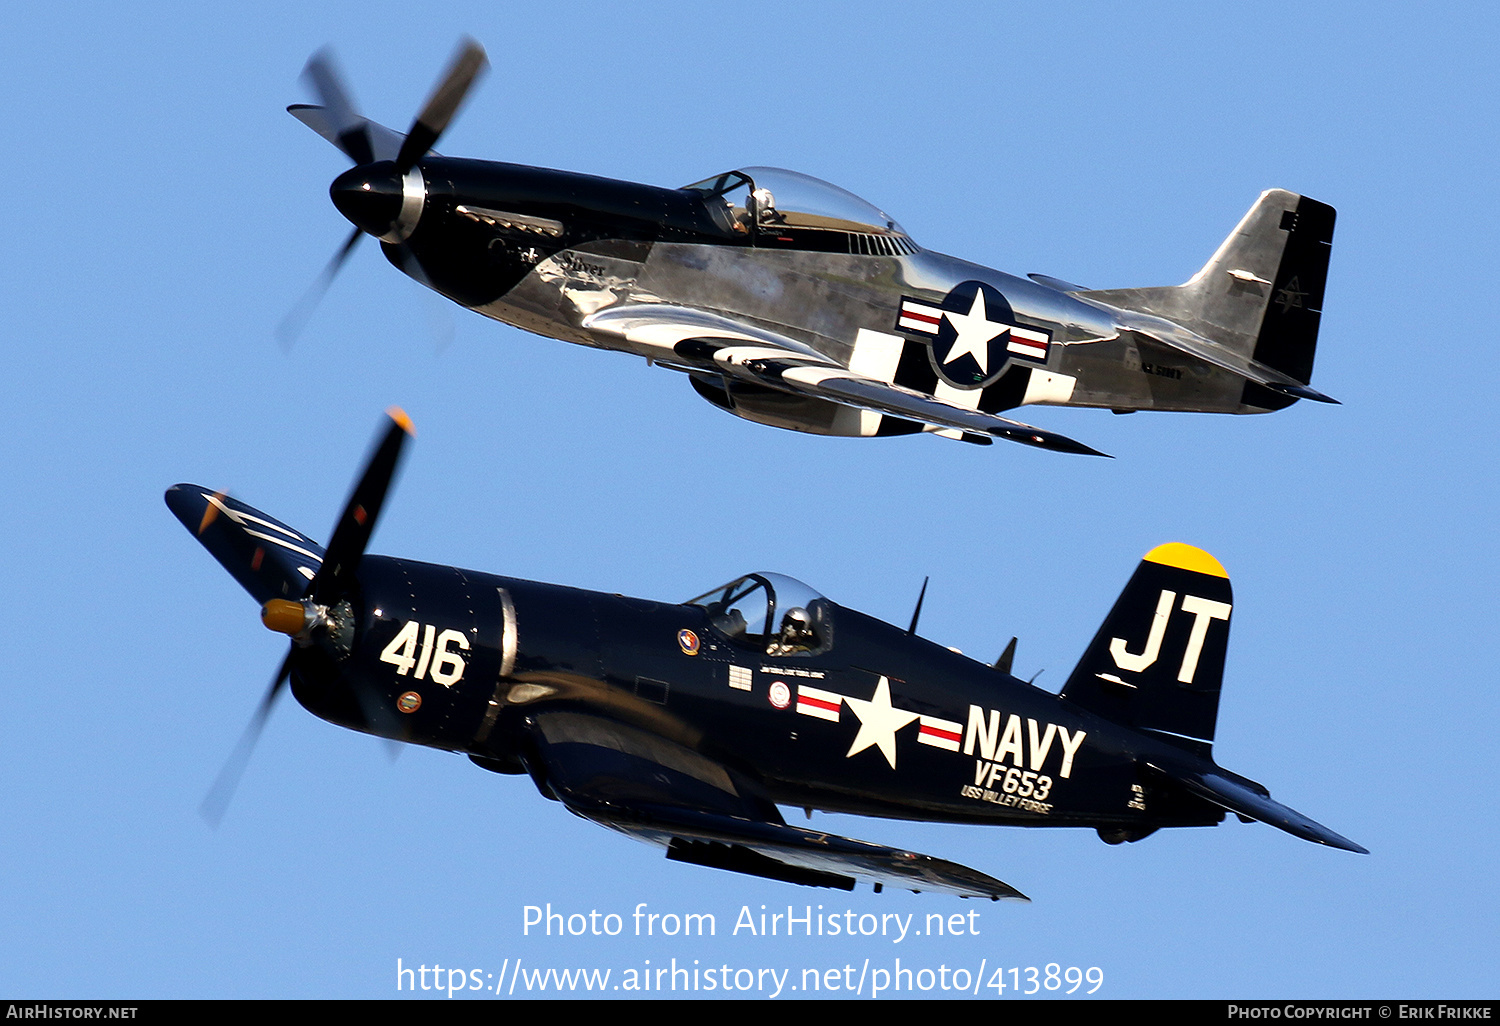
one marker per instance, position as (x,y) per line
(1288,332)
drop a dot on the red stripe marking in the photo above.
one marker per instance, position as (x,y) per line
(915,316)
(817,703)
(949,735)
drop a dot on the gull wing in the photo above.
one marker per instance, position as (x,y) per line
(268,558)
(695,340)
(664,793)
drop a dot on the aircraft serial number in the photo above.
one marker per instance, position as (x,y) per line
(1162,372)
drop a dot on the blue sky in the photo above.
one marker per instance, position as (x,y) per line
(164,213)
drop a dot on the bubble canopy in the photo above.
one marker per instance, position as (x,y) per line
(797,200)
(751,610)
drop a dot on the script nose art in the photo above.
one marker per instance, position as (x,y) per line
(377,200)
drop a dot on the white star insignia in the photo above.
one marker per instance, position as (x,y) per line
(878,722)
(975,333)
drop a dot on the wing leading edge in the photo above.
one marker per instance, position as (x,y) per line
(661,792)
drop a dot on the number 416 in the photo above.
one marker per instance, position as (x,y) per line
(445,664)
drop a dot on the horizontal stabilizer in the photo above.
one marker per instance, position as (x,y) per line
(268,558)
(1240,798)
(1302,392)
(1216,355)
(1056,283)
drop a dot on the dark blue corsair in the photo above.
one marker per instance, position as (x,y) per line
(687,725)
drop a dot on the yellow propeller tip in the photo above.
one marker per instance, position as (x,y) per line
(210,513)
(397,414)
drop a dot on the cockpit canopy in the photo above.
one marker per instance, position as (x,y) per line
(786,209)
(771,613)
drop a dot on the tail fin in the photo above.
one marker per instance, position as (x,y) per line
(1157,662)
(1260,294)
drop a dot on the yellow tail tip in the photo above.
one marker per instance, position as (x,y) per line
(1186,557)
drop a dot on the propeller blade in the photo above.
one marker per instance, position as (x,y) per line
(467,63)
(352,532)
(324,78)
(440,323)
(216,802)
(292,324)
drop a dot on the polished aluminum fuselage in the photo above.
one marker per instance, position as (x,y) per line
(610,250)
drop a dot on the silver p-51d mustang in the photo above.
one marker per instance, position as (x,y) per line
(790,302)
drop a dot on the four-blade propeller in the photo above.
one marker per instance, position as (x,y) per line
(321,616)
(372,193)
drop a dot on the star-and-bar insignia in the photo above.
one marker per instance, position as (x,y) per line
(817,702)
(922,318)
(972,334)
(879,720)
(940,733)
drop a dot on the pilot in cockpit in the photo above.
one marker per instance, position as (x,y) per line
(765,207)
(796,634)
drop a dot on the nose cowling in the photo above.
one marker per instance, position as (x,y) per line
(378,200)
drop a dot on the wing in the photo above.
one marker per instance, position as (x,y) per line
(268,558)
(695,340)
(666,794)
